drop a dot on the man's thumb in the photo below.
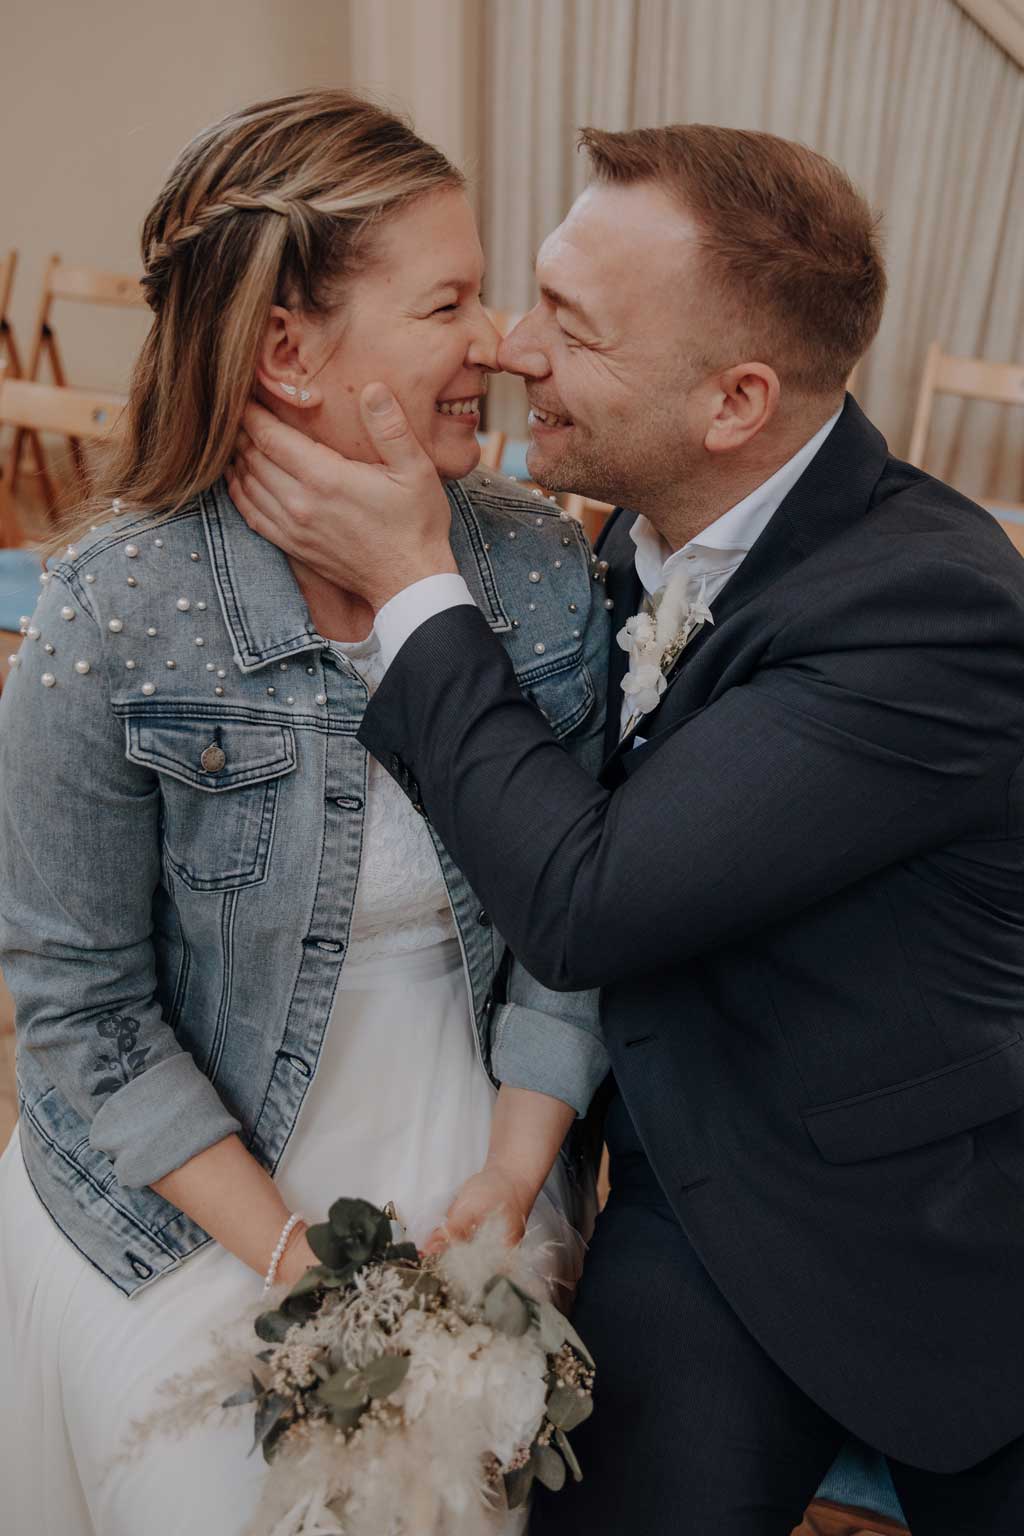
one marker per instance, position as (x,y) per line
(385,421)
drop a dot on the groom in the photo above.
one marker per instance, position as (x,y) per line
(799,880)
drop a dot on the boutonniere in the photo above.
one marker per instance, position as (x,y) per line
(655,639)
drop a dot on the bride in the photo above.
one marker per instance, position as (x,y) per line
(248,977)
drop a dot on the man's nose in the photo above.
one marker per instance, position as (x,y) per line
(520,353)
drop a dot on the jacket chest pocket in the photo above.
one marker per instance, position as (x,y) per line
(219,781)
(563,691)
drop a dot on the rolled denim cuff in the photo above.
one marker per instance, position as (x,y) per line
(159,1120)
(540,1051)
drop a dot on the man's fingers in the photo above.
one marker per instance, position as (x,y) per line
(389,431)
(289,449)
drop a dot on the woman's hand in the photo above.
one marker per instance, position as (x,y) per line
(371,529)
(296,1259)
(493,1191)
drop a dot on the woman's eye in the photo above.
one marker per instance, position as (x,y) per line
(445,309)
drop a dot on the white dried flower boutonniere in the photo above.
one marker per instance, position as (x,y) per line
(655,638)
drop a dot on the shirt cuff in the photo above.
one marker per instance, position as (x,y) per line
(411,607)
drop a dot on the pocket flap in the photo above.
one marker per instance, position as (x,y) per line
(911,1114)
(563,691)
(212,754)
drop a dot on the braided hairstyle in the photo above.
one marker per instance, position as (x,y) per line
(276,204)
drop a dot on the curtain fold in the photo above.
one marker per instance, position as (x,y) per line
(914,99)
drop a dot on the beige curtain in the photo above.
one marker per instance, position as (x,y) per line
(915,99)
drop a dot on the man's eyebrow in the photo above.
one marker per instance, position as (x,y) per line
(560,301)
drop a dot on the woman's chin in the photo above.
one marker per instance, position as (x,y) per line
(454,463)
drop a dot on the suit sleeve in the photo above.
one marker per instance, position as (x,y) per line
(884,720)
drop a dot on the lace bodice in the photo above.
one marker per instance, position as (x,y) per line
(401,899)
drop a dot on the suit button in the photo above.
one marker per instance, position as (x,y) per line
(484,919)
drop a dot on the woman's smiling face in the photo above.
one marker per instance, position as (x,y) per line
(413,320)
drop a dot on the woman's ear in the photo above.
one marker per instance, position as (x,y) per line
(281,364)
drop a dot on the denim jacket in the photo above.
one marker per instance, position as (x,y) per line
(181,809)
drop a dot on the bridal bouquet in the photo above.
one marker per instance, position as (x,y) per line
(399,1395)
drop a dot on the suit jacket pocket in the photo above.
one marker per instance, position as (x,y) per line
(924,1109)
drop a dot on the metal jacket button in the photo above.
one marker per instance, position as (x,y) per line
(213,759)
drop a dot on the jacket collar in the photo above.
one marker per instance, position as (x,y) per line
(262,604)
(833,492)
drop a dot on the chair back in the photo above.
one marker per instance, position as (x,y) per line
(972,378)
(592,514)
(79,285)
(82,414)
(9,353)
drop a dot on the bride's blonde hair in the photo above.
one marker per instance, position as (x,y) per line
(277,203)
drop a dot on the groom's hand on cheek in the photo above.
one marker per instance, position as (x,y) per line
(372,529)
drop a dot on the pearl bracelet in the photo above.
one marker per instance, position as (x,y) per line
(278,1253)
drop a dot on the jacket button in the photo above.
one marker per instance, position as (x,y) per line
(484,919)
(213,759)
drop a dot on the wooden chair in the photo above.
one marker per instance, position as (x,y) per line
(972,379)
(592,514)
(27,406)
(9,354)
(77,285)
(31,407)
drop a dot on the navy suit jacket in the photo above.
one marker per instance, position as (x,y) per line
(803,900)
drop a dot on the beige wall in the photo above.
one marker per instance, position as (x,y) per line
(97,98)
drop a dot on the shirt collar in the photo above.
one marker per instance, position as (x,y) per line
(730,537)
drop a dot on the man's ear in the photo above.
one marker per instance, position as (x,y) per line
(747,397)
(281,363)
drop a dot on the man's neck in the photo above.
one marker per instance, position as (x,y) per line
(722,481)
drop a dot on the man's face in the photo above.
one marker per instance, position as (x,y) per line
(614,349)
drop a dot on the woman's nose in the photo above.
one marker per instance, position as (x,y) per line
(483,346)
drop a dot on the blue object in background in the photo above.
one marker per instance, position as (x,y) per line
(860,1476)
(19,585)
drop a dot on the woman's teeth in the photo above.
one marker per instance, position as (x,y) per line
(459,407)
(546,418)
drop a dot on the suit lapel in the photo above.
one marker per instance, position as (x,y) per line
(831,494)
(623,587)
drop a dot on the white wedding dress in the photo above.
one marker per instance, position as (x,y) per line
(399,1109)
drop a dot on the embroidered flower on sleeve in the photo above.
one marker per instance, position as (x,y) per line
(120,1062)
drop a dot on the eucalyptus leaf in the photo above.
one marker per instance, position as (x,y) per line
(345,1389)
(518,1485)
(269,1411)
(361,1229)
(385,1374)
(402,1252)
(566,1408)
(271,1327)
(299,1309)
(569,1454)
(548,1467)
(311,1280)
(273,1437)
(505,1309)
(556,1330)
(327,1246)
(242,1396)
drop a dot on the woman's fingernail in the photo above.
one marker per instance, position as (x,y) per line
(378,399)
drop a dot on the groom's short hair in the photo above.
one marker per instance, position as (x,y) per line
(790,244)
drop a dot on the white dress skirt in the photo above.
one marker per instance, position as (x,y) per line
(399,1109)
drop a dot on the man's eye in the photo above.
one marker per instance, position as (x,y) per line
(445,309)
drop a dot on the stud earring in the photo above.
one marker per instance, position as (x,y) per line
(304,395)
(289,389)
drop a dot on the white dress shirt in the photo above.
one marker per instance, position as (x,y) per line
(716,553)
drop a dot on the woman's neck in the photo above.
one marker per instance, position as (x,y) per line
(338,615)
